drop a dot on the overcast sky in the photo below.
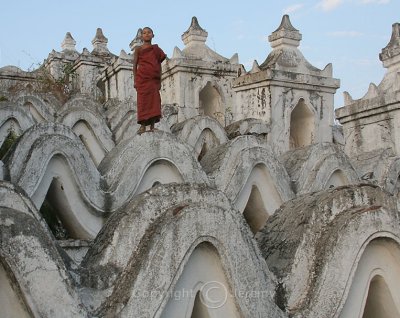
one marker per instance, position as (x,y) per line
(347,33)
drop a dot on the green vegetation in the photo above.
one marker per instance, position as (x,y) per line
(61,87)
(7,144)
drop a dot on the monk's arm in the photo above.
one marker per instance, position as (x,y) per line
(163,56)
(135,60)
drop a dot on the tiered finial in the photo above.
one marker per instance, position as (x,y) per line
(100,43)
(195,33)
(69,43)
(137,41)
(285,34)
(390,55)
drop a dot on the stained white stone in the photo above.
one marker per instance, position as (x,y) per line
(250,184)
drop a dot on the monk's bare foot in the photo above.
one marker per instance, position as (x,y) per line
(141,130)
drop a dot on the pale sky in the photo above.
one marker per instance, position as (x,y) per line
(347,33)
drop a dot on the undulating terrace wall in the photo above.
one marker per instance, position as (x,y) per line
(272,230)
(315,243)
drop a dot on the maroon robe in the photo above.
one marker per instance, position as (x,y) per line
(148,84)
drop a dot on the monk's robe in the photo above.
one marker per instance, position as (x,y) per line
(148,84)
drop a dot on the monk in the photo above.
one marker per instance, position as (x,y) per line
(147,61)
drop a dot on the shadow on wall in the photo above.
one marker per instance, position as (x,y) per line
(374,290)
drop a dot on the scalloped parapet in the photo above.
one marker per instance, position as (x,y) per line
(247,126)
(12,78)
(314,245)
(390,57)
(286,57)
(177,53)
(323,159)
(34,258)
(163,214)
(255,68)
(202,133)
(117,78)
(12,70)
(234,59)
(233,165)
(370,122)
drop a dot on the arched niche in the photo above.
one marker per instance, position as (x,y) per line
(59,193)
(89,139)
(379,300)
(159,172)
(35,114)
(211,103)
(55,209)
(10,125)
(207,140)
(258,198)
(255,212)
(375,284)
(203,151)
(336,179)
(9,133)
(11,303)
(301,126)
(202,289)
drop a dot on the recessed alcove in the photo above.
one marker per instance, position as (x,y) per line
(206,141)
(379,301)
(54,213)
(34,112)
(8,138)
(336,179)
(301,126)
(89,139)
(258,198)
(211,103)
(255,213)
(159,172)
